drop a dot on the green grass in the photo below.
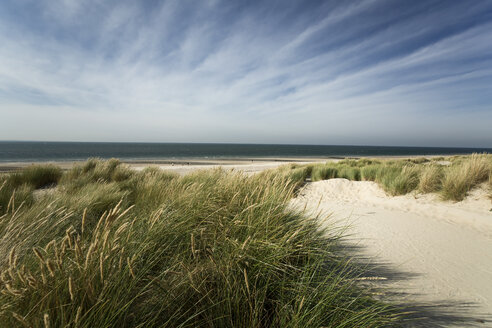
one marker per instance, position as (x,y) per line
(324,172)
(37,176)
(349,172)
(370,172)
(401,181)
(111,247)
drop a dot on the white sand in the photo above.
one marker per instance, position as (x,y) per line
(437,255)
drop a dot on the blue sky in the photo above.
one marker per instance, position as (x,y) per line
(369,72)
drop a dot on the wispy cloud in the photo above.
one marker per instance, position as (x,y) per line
(360,72)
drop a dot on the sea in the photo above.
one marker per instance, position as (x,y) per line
(21,151)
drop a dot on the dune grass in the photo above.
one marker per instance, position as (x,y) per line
(111,247)
(399,177)
(349,172)
(431,178)
(463,175)
(12,197)
(37,176)
(400,181)
(370,172)
(17,188)
(324,172)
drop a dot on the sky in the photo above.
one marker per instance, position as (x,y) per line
(369,72)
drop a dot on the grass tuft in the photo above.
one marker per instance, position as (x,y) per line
(370,172)
(37,176)
(324,172)
(349,172)
(403,182)
(431,179)
(465,174)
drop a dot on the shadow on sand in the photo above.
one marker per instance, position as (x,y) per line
(382,278)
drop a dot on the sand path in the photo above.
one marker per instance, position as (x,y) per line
(434,256)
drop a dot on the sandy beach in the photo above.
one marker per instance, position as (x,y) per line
(434,257)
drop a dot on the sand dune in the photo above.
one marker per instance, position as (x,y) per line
(441,250)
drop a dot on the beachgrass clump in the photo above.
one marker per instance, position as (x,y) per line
(465,174)
(349,172)
(210,249)
(456,183)
(370,172)
(298,176)
(95,170)
(399,180)
(324,172)
(430,178)
(478,167)
(94,198)
(12,198)
(37,176)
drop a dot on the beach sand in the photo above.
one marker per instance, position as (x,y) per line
(434,257)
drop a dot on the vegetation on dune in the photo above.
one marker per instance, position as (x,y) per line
(401,181)
(324,172)
(12,197)
(399,177)
(430,178)
(17,188)
(465,174)
(37,176)
(370,172)
(111,247)
(349,172)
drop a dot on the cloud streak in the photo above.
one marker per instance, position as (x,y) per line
(360,72)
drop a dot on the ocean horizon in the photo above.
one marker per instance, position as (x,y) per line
(40,151)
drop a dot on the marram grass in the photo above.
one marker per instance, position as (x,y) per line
(110,247)
(399,177)
(465,174)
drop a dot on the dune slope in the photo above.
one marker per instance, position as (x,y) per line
(433,255)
